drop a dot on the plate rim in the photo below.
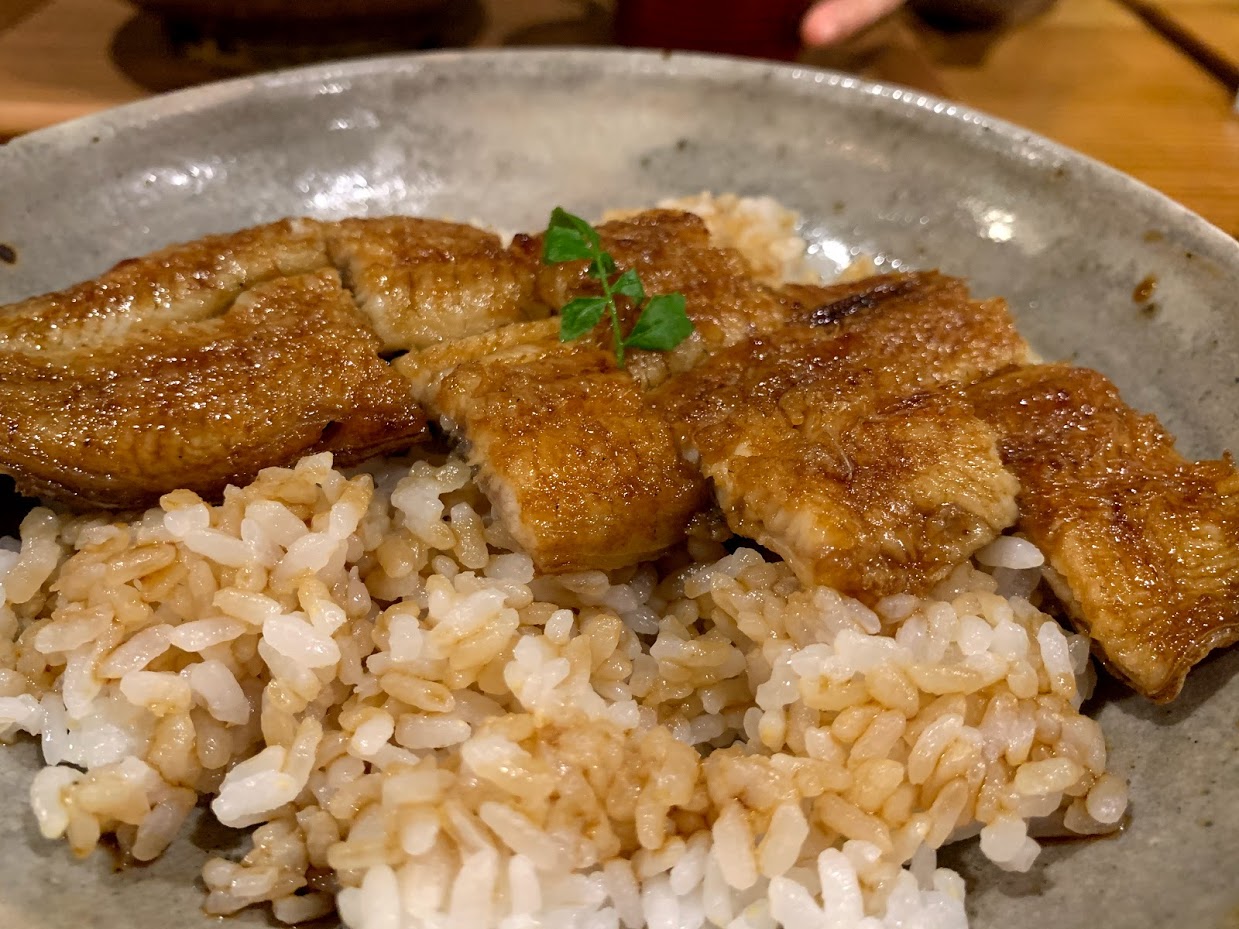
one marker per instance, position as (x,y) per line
(77,133)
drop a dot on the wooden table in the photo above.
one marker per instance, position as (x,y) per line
(1087,73)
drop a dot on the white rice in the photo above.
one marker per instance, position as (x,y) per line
(493,748)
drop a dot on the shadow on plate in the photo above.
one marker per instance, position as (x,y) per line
(966,859)
(1206,679)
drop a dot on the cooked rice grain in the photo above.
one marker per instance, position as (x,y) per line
(356,666)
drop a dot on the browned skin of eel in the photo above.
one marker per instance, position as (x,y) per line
(839,440)
(206,403)
(672,253)
(200,364)
(547,423)
(581,469)
(420,282)
(1143,543)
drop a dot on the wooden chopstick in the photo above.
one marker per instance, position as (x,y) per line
(1190,44)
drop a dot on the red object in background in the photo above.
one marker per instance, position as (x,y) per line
(758,28)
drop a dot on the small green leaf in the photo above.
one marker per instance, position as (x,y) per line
(579,316)
(562,219)
(605,262)
(629,285)
(662,326)
(564,245)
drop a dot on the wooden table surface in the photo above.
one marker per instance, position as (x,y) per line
(1087,73)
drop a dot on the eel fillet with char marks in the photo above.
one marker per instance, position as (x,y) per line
(671,252)
(840,441)
(203,404)
(580,468)
(200,364)
(1143,543)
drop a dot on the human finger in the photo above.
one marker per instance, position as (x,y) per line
(832,20)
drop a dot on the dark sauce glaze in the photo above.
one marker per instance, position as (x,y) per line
(829,313)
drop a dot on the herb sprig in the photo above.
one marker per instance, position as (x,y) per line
(662,323)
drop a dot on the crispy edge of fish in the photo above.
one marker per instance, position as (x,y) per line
(180,283)
(1106,496)
(805,388)
(233,394)
(580,467)
(423,281)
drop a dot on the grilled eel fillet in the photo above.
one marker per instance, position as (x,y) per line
(577,463)
(1143,543)
(672,252)
(582,469)
(840,441)
(574,456)
(201,364)
(830,420)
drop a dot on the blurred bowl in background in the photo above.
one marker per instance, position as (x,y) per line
(286,11)
(227,37)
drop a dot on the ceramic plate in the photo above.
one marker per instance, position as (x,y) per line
(503,137)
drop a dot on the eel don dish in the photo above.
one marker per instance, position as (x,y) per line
(874,434)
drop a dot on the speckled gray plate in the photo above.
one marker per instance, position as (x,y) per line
(503,137)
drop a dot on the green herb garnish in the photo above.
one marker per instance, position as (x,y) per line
(661,323)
